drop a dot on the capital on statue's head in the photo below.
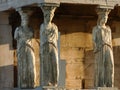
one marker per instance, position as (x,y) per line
(103,11)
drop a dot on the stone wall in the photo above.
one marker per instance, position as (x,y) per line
(75,41)
(116,44)
(6,54)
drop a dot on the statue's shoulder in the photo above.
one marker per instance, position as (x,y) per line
(54,26)
(18,28)
(95,29)
(42,25)
(108,27)
(42,28)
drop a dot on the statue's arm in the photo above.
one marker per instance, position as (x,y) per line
(53,36)
(94,40)
(41,37)
(56,31)
(16,34)
(110,36)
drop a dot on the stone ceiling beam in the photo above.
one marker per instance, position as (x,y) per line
(8,4)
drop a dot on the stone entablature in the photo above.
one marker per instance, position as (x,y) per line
(7,4)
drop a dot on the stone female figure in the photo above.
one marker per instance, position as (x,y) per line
(25,54)
(104,63)
(49,48)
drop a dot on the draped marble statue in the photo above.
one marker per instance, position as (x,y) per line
(104,62)
(49,48)
(25,54)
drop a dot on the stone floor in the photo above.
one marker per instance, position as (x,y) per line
(52,89)
(39,88)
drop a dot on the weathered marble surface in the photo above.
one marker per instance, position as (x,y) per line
(49,48)
(25,54)
(104,62)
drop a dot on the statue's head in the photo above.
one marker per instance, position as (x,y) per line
(48,12)
(102,16)
(24,16)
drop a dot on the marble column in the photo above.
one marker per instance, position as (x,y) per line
(25,52)
(49,47)
(102,40)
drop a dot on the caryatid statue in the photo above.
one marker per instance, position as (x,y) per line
(49,48)
(25,53)
(104,62)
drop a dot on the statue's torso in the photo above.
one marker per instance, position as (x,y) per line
(49,35)
(103,36)
(24,35)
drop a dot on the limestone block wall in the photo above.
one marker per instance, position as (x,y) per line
(6,53)
(116,48)
(75,46)
(72,50)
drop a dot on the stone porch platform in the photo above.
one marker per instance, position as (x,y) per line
(60,88)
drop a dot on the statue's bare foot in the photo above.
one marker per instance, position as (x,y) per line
(55,84)
(49,84)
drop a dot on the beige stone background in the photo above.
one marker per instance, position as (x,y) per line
(6,53)
(75,24)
